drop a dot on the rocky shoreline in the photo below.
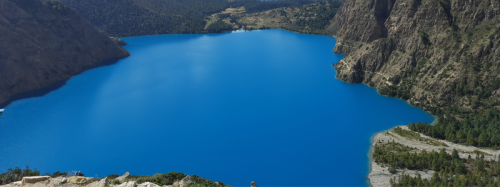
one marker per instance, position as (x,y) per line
(379,175)
(121,181)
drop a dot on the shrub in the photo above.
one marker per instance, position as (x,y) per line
(116,182)
(162,179)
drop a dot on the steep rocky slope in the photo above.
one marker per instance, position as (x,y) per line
(45,43)
(441,55)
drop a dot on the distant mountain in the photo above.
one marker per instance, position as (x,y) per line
(128,18)
(149,17)
(45,43)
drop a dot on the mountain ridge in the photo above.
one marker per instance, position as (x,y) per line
(432,51)
(44,43)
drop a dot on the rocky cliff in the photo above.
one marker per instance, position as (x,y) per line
(42,43)
(438,54)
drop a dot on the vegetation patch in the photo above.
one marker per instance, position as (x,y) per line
(416,136)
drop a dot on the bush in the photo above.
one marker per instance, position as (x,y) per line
(116,182)
(112,176)
(392,170)
(16,174)
(162,179)
(58,174)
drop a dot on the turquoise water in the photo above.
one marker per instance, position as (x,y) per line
(259,106)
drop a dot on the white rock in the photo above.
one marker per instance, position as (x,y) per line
(128,184)
(120,178)
(148,184)
(34,179)
(18,183)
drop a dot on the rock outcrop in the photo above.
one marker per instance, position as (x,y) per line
(121,178)
(80,180)
(43,43)
(34,179)
(148,184)
(432,53)
(184,182)
(253,184)
(128,184)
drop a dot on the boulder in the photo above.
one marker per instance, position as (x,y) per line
(34,179)
(80,180)
(120,178)
(128,184)
(17,183)
(103,182)
(148,184)
(253,184)
(183,182)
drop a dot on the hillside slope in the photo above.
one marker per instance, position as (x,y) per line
(127,18)
(149,17)
(441,55)
(45,43)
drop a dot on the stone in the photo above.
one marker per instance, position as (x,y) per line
(80,180)
(253,184)
(148,184)
(103,182)
(64,180)
(34,179)
(128,184)
(120,178)
(183,182)
(17,183)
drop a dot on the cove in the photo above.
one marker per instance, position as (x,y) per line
(261,106)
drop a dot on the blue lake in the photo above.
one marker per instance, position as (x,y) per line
(261,106)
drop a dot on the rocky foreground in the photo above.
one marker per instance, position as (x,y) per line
(380,176)
(80,181)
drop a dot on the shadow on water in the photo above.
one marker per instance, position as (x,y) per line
(46,90)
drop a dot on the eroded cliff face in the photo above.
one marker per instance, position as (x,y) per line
(45,43)
(434,53)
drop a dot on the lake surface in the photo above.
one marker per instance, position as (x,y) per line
(237,107)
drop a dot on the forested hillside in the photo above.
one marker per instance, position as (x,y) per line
(46,43)
(148,17)
(440,55)
(313,18)
(126,18)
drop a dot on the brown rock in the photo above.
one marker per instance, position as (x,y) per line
(80,180)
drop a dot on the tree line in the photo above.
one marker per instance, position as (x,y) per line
(476,130)
(450,169)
